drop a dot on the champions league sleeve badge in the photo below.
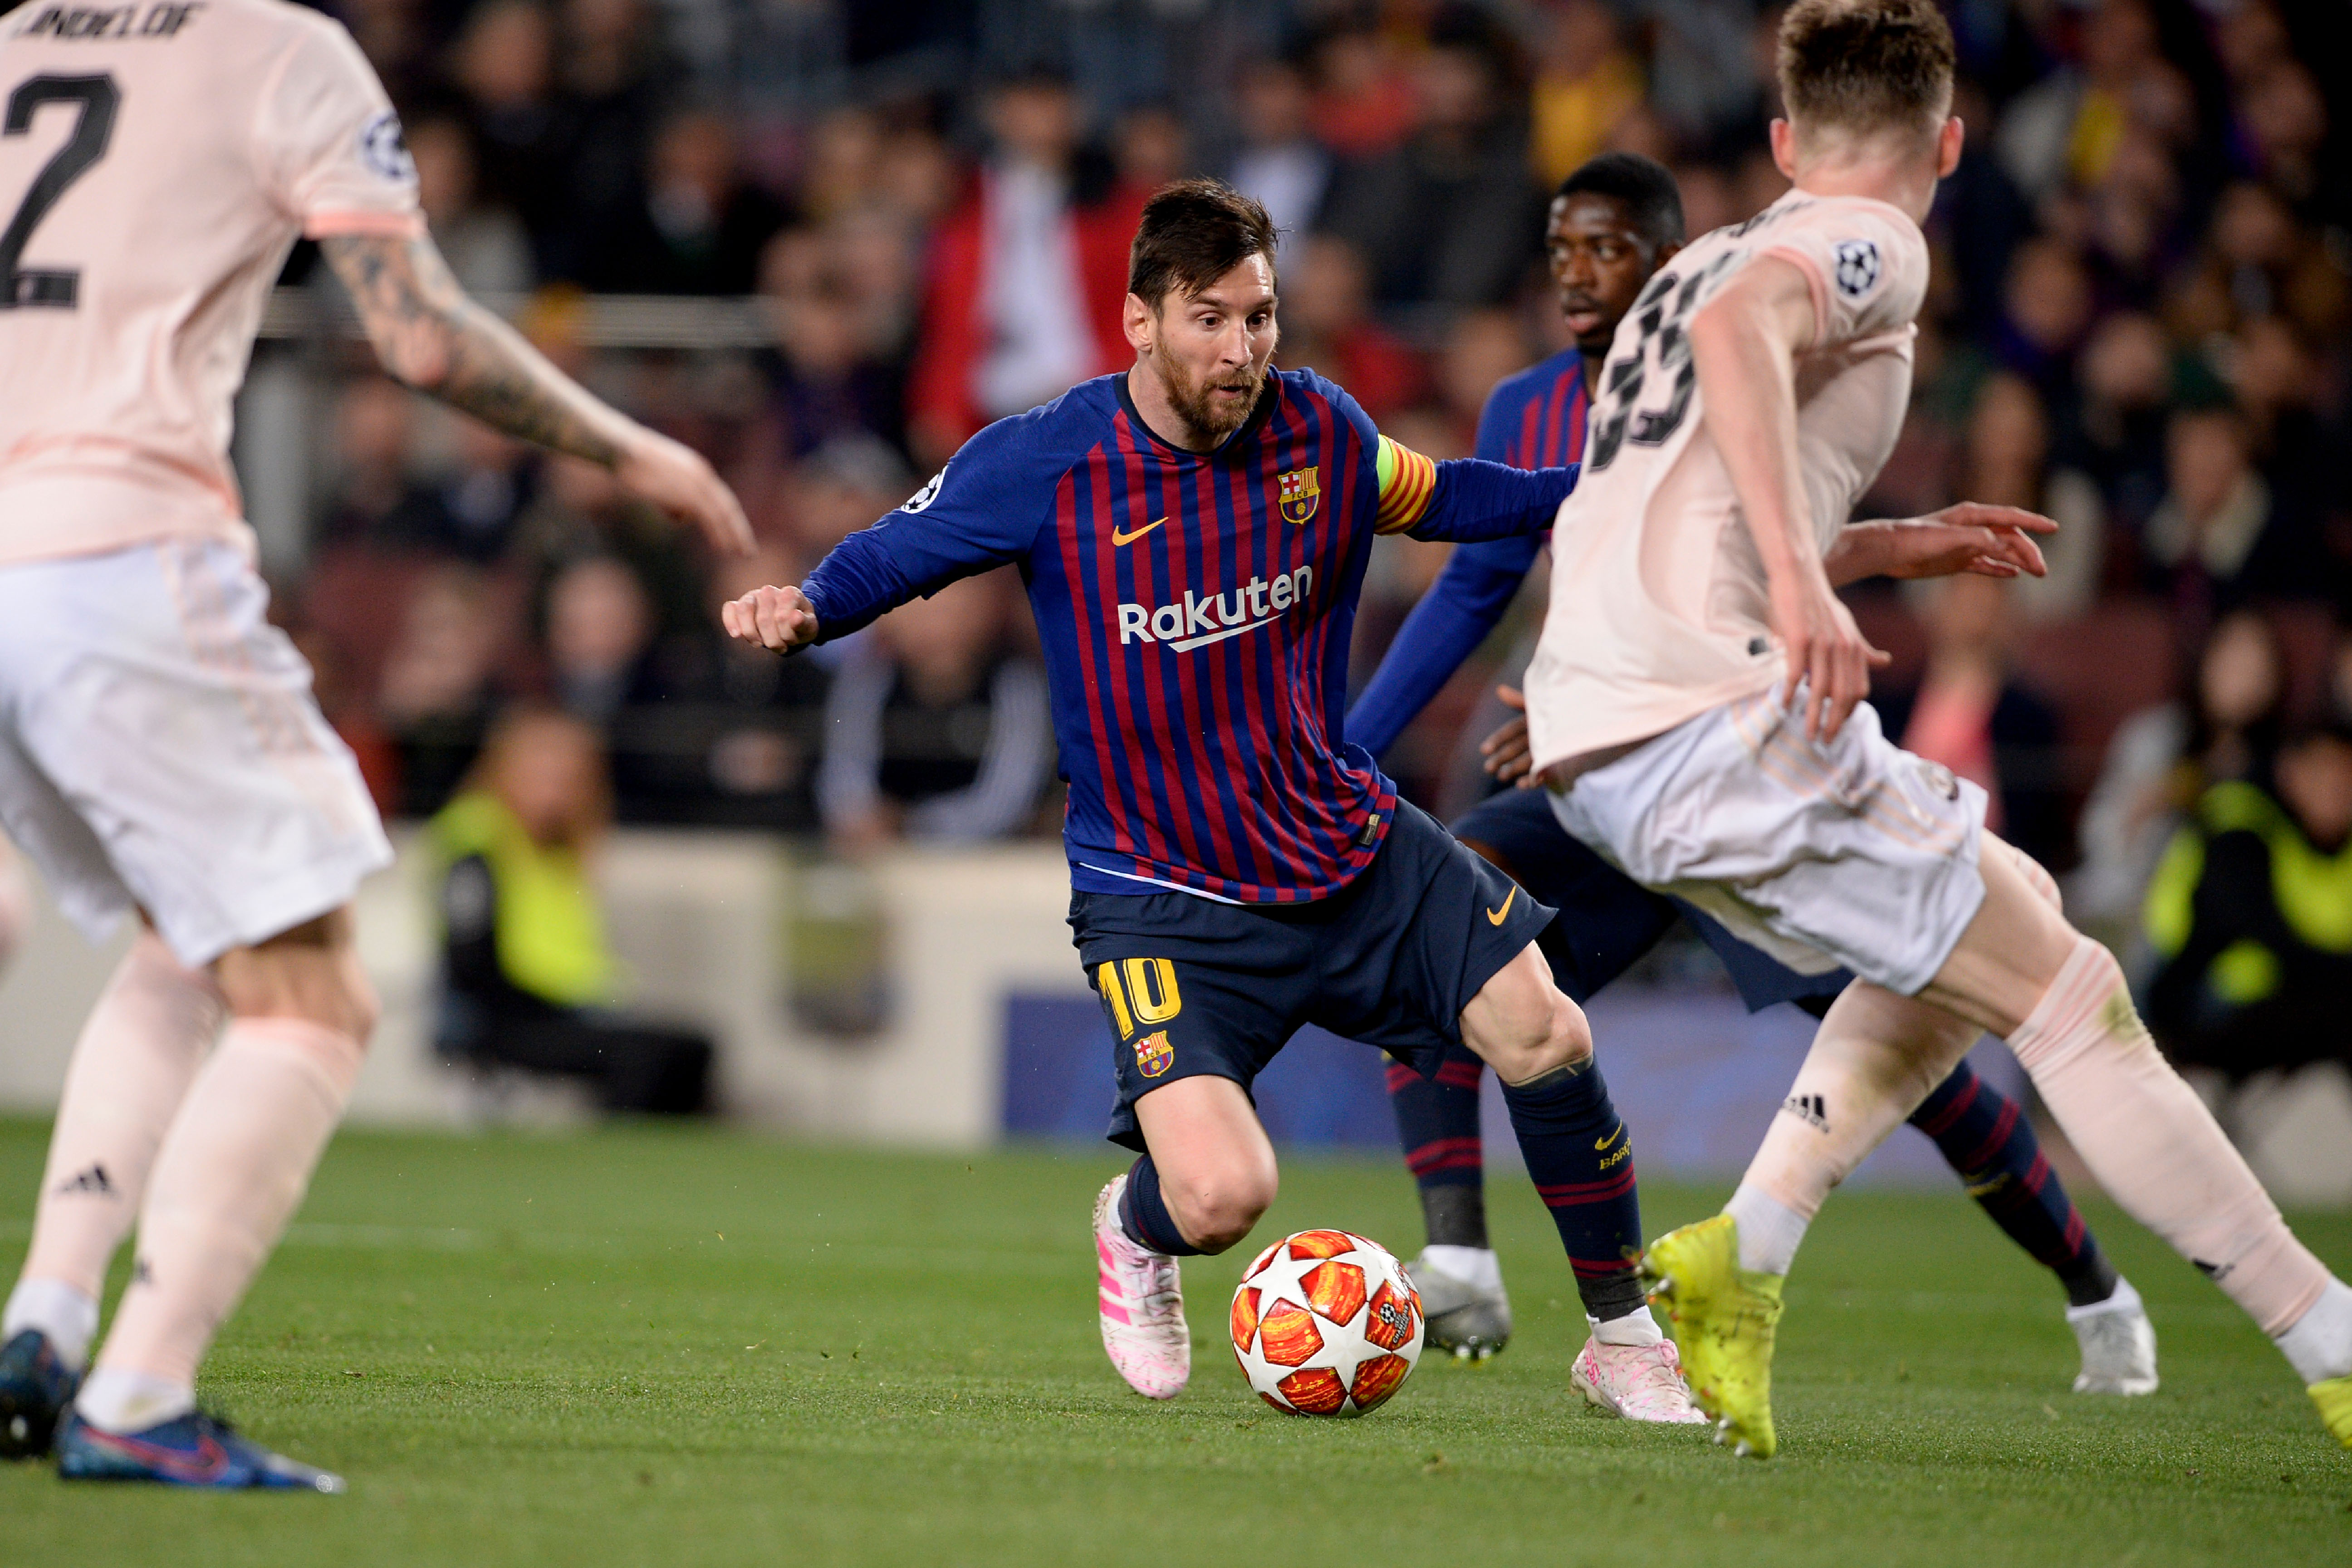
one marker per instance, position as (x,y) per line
(1857,267)
(384,149)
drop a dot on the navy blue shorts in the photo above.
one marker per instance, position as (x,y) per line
(1195,986)
(1607,921)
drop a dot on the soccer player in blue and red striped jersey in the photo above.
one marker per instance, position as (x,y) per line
(1194,533)
(1615,222)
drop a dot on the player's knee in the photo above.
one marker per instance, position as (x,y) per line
(1219,1209)
(311,971)
(1525,1025)
(1566,1039)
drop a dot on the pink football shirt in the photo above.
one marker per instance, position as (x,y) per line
(1659,604)
(157,162)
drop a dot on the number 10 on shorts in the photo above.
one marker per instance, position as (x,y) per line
(1147,995)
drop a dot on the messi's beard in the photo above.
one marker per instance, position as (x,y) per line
(1195,401)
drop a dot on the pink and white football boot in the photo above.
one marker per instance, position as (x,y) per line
(1640,1382)
(1143,1306)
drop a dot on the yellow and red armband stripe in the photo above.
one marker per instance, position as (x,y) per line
(1407,481)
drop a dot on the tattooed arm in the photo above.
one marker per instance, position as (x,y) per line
(429,335)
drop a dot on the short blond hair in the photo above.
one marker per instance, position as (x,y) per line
(1866,67)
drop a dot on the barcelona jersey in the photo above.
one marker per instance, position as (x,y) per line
(1536,419)
(1195,610)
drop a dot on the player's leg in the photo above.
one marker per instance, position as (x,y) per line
(1187,1039)
(1580,1157)
(1987,1138)
(229,1175)
(1459,1277)
(147,687)
(2059,999)
(1604,924)
(132,1064)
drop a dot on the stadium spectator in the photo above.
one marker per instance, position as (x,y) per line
(1026,277)
(442,682)
(1363,97)
(527,975)
(767,715)
(1467,158)
(489,484)
(2116,434)
(1971,713)
(377,497)
(2163,759)
(1586,83)
(698,227)
(1279,162)
(1327,326)
(824,382)
(2047,308)
(2210,543)
(504,65)
(937,727)
(485,244)
(600,640)
(2251,913)
(2006,462)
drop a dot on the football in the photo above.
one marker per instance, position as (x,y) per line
(1326,1323)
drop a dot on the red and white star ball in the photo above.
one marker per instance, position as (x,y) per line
(1326,1323)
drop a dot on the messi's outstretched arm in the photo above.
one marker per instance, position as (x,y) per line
(428,334)
(1465,498)
(983,510)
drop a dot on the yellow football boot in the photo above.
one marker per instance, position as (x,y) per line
(1725,1320)
(2334,1398)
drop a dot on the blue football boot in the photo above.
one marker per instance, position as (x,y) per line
(35,1389)
(191,1450)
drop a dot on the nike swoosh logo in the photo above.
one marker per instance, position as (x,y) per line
(1119,538)
(1494,917)
(1601,1144)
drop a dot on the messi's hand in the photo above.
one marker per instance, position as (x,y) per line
(777,619)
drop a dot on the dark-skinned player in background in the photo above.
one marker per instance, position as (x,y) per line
(1193,534)
(1615,222)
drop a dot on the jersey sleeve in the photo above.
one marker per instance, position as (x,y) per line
(980,511)
(1408,482)
(328,146)
(1866,264)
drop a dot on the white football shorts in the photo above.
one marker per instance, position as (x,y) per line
(1854,853)
(160,749)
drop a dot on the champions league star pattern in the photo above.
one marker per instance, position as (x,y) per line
(1195,609)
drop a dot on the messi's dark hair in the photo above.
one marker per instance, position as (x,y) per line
(1193,233)
(1647,187)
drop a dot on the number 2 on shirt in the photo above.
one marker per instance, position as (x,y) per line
(54,288)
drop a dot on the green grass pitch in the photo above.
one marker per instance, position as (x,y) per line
(685,1347)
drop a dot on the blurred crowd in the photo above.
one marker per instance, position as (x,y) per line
(2137,324)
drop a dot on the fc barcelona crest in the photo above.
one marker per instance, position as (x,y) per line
(1300,495)
(1153,1053)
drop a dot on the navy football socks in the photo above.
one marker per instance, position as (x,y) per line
(1437,1119)
(1987,1138)
(1580,1157)
(1144,1216)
